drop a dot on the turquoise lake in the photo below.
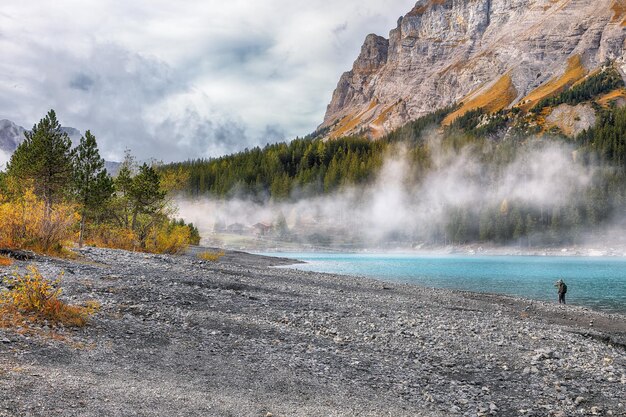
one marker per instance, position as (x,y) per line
(598,283)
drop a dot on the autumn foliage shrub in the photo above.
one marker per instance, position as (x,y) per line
(169,238)
(56,229)
(162,238)
(211,256)
(26,223)
(52,196)
(108,236)
(32,297)
(5,261)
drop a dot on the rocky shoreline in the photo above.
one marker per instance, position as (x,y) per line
(177,336)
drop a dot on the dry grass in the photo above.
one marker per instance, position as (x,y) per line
(619,10)
(574,72)
(382,117)
(351,121)
(468,64)
(345,126)
(32,298)
(587,76)
(376,127)
(497,97)
(347,123)
(373,104)
(5,261)
(211,256)
(606,99)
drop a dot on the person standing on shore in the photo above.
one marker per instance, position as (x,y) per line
(562,290)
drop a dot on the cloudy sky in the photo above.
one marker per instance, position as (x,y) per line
(185,79)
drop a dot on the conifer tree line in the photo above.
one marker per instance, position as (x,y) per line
(606,80)
(52,194)
(314,166)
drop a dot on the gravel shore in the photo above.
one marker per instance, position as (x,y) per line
(177,336)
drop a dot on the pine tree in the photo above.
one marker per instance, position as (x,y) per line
(146,197)
(123,184)
(45,159)
(93,185)
(139,201)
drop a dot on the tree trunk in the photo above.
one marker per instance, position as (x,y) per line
(134,220)
(82,229)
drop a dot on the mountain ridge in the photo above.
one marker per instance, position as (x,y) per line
(12,134)
(491,54)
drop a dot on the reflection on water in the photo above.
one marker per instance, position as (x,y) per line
(599,283)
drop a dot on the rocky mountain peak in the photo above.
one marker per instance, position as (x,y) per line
(373,54)
(492,54)
(11,135)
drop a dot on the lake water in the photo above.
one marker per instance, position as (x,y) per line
(598,283)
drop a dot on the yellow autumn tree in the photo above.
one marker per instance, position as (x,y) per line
(26,222)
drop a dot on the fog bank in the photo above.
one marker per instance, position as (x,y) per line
(397,209)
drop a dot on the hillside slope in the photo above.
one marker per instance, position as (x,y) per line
(490,54)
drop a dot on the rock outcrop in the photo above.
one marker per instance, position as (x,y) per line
(492,54)
(572,120)
(11,135)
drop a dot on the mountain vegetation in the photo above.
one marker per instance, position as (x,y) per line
(45,158)
(52,195)
(606,80)
(314,166)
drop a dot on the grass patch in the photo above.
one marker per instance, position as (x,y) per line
(478,123)
(574,72)
(605,81)
(619,10)
(496,98)
(613,96)
(384,114)
(347,123)
(32,298)
(211,256)
(351,121)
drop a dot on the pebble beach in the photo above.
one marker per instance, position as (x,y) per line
(179,336)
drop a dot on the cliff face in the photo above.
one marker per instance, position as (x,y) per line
(484,53)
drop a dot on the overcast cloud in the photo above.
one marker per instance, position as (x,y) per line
(187,79)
